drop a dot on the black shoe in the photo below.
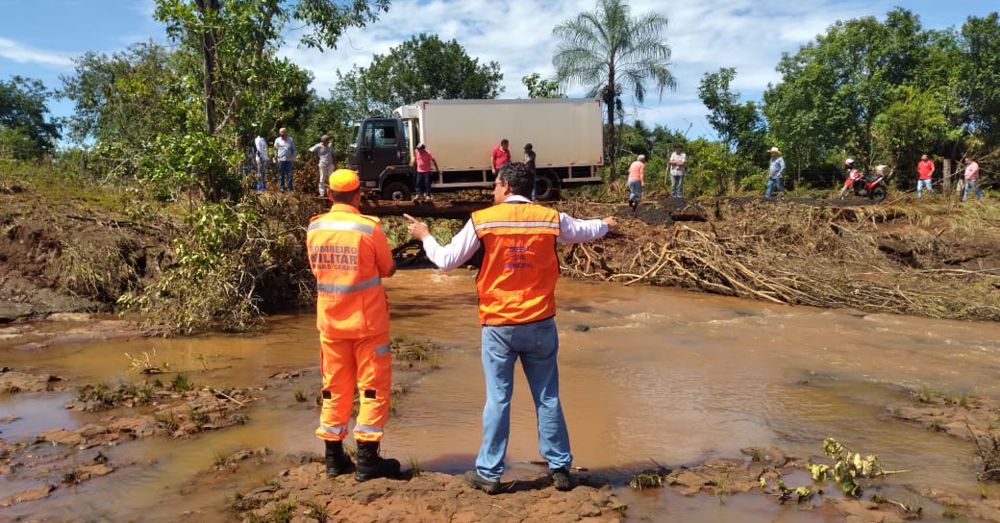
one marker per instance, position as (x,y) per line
(337,462)
(371,465)
(476,481)
(561,479)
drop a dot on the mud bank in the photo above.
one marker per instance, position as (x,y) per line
(305,493)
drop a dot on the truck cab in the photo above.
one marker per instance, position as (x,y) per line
(381,155)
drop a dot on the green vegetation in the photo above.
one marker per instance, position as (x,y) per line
(421,68)
(104,396)
(26,132)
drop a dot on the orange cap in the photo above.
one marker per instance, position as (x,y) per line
(344,180)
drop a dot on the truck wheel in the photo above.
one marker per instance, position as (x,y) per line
(396,191)
(546,187)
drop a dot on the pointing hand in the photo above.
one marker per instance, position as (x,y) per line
(417,228)
(611,221)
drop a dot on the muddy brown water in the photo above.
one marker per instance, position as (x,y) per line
(646,374)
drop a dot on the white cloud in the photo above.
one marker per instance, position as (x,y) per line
(706,35)
(24,54)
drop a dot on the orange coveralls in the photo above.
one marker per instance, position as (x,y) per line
(349,254)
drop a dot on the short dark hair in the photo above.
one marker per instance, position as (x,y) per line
(678,146)
(504,141)
(519,177)
(344,196)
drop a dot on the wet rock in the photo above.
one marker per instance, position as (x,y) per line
(82,473)
(9,419)
(975,508)
(231,462)
(10,311)
(581,328)
(62,437)
(69,316)
(14,381)
(27,495)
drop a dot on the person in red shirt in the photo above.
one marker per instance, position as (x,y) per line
(636,181)
(500,155)
(423,160)
(925,171)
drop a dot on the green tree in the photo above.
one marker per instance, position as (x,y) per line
(421,68)
(26,130)
(610,53)
(124,100)
(851,90)
(539,87)
(980,74)
(231,69)
(739,124)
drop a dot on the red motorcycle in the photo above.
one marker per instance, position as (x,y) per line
(871,187)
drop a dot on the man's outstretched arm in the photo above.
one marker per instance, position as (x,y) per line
(573,230)
(461,249)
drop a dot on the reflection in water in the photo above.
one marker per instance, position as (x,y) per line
(645,374)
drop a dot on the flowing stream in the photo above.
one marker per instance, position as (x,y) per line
(646,374)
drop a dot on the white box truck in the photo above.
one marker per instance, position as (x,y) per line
(567,135)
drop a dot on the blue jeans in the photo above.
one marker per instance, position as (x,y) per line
(634,191)
(923,185)
(772,184)
(423,184)
(677,185)
(285,172)
(537,344)
(262,175)
(970,186)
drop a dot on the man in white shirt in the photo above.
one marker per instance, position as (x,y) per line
(678,167)
(325,153)
(262,159)
(284,152)
(516,289)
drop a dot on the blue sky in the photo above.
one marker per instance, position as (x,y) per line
(39,39)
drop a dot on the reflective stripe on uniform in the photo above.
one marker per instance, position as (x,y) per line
(368,429)
(333,429)
(493,225)
(329,225)
(382,350)
(337,288)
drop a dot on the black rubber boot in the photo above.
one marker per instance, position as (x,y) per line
(371,465)
(337,462)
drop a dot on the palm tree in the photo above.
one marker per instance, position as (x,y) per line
(608,51)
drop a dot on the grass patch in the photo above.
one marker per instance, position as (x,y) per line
(181,383)
(300,396)
(103,396)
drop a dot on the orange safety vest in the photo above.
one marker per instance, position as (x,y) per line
(351,302)
(517,281)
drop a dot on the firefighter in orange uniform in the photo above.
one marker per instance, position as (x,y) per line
(349,255)
(517,308)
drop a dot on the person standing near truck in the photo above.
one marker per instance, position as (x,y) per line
(678,166)
(925,173)
(284,152)
(516,289)
(325,153)
(500,155)
(529,164)
(262,159)
(349,255)
(636,180)
(423,160)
